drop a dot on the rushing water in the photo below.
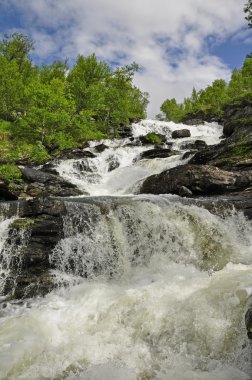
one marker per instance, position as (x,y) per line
(164,290)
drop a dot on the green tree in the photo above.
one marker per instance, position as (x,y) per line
(172,110)
(248,11)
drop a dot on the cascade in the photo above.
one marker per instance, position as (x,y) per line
(148,287)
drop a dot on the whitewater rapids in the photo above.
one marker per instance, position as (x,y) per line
(164,296)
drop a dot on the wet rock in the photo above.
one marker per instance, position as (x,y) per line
(248,322)
(123,131)
(188,154)
(49,167)
(31,243)
(75,153)
(152,138)
(200,180)
(234,153)
(101,147)
(83,166)
(40,184)
(157,153)
(194,145)
(181,133)
(6,194)
(185,192)
(113,163)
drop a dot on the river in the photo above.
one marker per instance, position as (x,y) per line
(149,287)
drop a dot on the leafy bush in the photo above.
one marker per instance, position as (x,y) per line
(10,173)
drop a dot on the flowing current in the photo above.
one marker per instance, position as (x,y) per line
(156,287)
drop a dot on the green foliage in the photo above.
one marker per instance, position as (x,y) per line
(53,107)
(153,138)
(210,102)
(10,173)
(248,11)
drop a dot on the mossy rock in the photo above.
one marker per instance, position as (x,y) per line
(22,224)
(152,138)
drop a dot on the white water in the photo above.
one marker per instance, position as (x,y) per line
(98,180)
(164,299)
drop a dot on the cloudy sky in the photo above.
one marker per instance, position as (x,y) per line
(178,43)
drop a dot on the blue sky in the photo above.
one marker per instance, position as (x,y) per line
(179,44)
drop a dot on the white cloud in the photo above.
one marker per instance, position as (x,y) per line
(166,37)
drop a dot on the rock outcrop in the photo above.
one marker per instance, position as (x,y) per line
(30,243)
(198,179)
(37,183)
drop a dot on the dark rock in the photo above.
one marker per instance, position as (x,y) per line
(33,175)
(83,166)
(49,167)
(188,154)
(237,115)
(193,121)
(44,184)
(248,322)
(195,145)
(48,206)
(152,138)
(199,117)
(181,133)
(200,180)
(185,192)
(157,153)
(101,147)
(6,194)
(234,153)
(113,163)
(75,153)
(123,131)
(31,243)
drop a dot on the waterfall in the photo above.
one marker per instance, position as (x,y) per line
(148,287)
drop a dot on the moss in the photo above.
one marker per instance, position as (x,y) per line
(10,173)
(22,224)
(238,152)
(153,138)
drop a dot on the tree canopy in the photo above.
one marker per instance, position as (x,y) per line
(248,11)
(210,102)
(53,107)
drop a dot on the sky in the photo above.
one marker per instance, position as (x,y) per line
(179,44)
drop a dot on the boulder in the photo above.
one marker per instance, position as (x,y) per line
(200,180)
(194,145)
(101,147)
(181,133)
(152,138)
(157,153)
